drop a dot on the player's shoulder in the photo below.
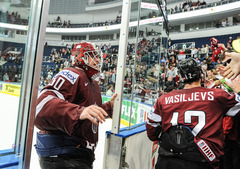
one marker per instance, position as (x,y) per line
(173,92)
(215,91)
(219,93)
(196,89)
(71,74)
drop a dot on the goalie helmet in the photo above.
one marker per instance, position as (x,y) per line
(189,70)
(88,57)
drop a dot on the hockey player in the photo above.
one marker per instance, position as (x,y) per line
(68,113)
(188,122)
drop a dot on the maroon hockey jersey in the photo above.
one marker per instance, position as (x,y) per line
(200,109)
(62,101)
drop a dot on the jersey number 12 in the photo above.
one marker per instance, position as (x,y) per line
(188,119)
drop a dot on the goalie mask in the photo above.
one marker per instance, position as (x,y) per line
(88,57)
(189,70)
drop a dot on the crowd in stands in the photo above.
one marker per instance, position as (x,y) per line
(13,18)
(154,72)
(11,73)
(58,23)
(194,5)
(11,65)
(187,6)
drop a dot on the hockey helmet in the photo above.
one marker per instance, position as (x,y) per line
(189,70)
(88,57)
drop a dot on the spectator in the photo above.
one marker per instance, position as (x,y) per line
(171,72)
(224,23)
(197,60)
(204,63)
(110,90)
(5,77)
(50,74)
(229,43)
(194,52)
(114,77)
(203,50)
(102,76)
(169,81)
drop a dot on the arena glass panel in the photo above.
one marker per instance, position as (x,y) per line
(13,25)
(142,72)
(21,45)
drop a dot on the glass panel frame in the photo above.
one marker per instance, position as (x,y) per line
(130,107)
(31,76)
(11,63)
(145,86)
(29,84)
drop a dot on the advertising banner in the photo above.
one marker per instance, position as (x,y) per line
(143,111)
(139,111)
(11,89)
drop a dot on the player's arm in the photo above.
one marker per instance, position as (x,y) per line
(234,85)
(54,114)
(56,110)
(153,124)
(230,102)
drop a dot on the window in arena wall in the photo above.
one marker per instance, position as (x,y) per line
(175,28)
(67,37)
(191,27)
(194,26)
(187,27)
(201,25)
(101,37)
(209,24)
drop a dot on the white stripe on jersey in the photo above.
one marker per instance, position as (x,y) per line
(234,110)
(153,124)
(43,102)
(155,117)
(59,95)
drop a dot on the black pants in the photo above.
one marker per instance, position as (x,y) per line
(64,163)
(177,163)
(231,155)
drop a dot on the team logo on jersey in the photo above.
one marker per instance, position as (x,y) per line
(69,75)
(206,150)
